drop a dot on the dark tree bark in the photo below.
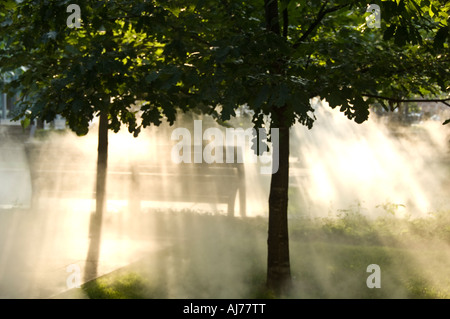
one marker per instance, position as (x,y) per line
(96,218)
(272,18)
(278,260)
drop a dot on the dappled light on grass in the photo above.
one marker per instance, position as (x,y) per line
(124,286)
(412,254)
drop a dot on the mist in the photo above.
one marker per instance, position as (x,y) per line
(339,164)
(194,249)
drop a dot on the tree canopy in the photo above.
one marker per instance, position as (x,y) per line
(217,55)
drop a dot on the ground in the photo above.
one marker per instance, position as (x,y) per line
(217,257)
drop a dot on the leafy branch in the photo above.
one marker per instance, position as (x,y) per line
(399,100)
(321,15)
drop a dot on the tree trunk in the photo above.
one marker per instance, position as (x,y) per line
(96,218)
(278,261)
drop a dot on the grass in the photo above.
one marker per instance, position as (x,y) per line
(117,286)
(218,257)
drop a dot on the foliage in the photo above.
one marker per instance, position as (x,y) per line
(119,57)
(216,56)
(353,226)
(328,52)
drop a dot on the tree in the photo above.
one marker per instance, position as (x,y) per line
(118,64)
(277,55)
(214,56)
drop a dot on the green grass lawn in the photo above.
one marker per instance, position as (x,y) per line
(219,257)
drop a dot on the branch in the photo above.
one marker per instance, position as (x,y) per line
(271,14)
(402,69)
(396,100)
(322,13)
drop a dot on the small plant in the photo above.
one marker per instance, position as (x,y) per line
(122,286)
(390,208)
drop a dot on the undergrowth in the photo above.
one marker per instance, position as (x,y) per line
(221,257)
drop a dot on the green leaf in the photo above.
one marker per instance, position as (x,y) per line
(432,10)
(335,99)
(25,123)
(228,110)
(151,116)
